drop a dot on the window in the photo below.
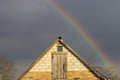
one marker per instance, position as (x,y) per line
(59,48)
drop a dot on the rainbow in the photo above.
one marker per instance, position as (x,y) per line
(88,39)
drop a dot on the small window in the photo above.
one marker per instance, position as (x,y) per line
(59,48)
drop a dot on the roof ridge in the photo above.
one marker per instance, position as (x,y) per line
(60,40)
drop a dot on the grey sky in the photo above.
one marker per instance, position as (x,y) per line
(28,27)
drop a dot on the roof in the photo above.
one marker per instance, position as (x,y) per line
(60,40)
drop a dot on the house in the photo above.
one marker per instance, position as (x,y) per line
(61,62)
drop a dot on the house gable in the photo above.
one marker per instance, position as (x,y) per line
(77,68)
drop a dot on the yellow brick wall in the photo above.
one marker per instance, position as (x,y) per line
(37,76)
(42,70)
(44,64)
(81,75)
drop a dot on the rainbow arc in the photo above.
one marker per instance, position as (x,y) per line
(88,39)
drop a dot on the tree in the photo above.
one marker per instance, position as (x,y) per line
(109,73)
(7,69)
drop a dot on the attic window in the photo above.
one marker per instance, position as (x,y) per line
(59,48)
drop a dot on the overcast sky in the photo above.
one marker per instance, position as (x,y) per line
(28,27)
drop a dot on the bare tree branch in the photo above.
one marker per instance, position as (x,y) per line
(7,69)
(109,73)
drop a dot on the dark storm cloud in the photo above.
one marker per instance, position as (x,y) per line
(28,27)
(100,18)
(25,23)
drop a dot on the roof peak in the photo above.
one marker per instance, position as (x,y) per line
(59,37)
